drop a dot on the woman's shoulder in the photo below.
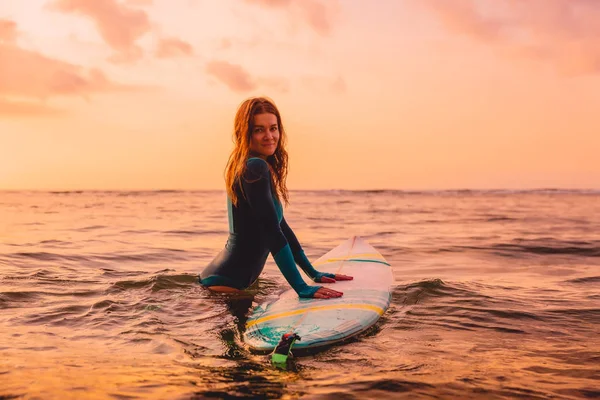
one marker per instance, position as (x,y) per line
(256,168)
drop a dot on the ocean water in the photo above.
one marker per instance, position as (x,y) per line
(496,295)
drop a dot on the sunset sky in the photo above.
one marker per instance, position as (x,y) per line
(397,94)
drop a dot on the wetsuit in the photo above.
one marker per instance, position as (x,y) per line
(256,228)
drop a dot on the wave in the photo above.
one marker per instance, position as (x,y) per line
(163,254)
(585,280)
(155,283)
(518,247)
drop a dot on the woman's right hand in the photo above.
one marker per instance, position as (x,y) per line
(326,293)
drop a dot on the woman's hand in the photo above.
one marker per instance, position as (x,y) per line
(326,293)
(331,278)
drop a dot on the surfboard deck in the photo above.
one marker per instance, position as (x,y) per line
(321,322)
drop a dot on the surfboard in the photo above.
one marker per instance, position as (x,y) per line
(321,322)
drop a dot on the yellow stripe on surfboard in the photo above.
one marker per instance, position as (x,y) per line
(375,256)
(378,310)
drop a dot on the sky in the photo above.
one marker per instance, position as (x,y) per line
(387,94)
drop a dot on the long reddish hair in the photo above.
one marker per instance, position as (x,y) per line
(243,127)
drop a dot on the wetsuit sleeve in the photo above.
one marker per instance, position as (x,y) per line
(256,184)
(299,255)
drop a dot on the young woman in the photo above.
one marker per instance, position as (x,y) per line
(256,186)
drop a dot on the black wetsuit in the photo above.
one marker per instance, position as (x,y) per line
(256,228)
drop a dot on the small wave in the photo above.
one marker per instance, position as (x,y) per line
(589,250)
(60,316)
(184,232)
(499,219)
(53,241)
(518,247)
(114,273)
(90,228)
(585,280)
(154,283)
(138,231)
(169,255)
(17,299)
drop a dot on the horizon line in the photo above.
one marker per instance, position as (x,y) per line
(457,189)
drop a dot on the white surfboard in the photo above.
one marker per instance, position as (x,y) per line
(321,322)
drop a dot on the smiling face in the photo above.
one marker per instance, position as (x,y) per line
(265,135)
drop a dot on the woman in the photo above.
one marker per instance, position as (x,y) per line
(256,185)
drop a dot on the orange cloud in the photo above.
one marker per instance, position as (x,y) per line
(173,47)
(232,75)
(565,32)
(317,14)
(8,31)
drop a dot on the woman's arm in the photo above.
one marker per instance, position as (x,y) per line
(256,185)
(299,255)
(304,262)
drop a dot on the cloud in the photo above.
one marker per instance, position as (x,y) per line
(26,109)
(233,76)
(8,31)
(121,25)
(173,47)
(28,77)
(565,32)
(31,74)
(317,14)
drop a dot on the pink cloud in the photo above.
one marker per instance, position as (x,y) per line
(31,74)
(29,77)
(232,75)
(173,47)
(8,31)
(119,25)
(317,14)
(564,32)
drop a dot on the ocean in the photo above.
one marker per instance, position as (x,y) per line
(496,294)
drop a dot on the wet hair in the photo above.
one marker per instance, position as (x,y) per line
(243,127)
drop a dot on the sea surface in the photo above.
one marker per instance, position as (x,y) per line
(496,294)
